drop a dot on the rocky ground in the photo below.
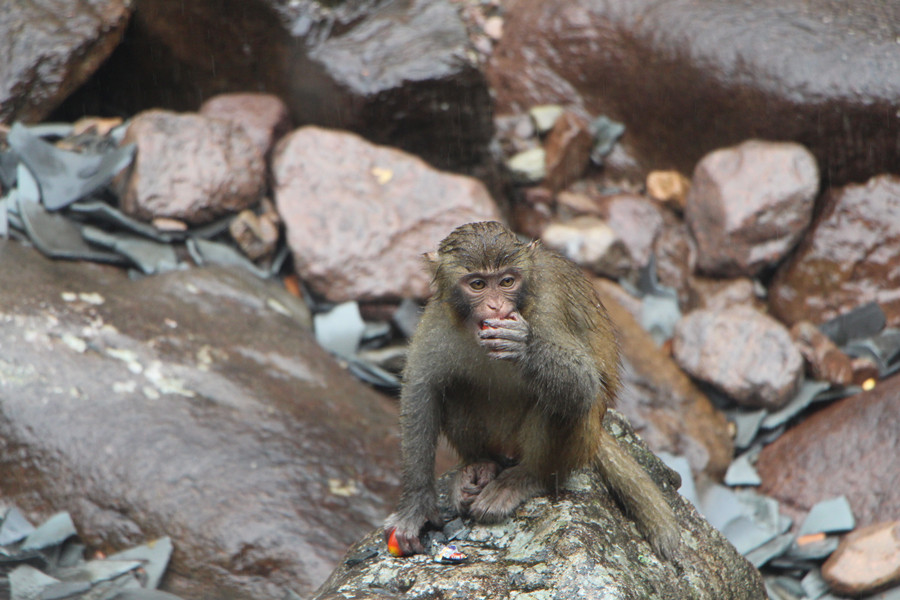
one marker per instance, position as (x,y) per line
(230,190)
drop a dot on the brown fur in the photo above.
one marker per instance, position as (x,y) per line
(516,370)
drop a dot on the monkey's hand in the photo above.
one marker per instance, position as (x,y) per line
(406,524)
(505,339)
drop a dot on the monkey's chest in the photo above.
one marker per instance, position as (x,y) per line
(485,409)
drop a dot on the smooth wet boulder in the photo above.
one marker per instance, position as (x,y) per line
(576,543)
(689,77)
(399,73)
(193,405)
(50,48)
(849,257)
(359,216)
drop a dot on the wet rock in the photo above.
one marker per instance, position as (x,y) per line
(591,243)
(687,78)
(188,405)
(662,403)
(824,359)
(263,117)
(669,187)
(399,74)
(256,234)
(749,205)
(676,256)
(849,257)
(741,352)
(528,166)
(51,48)
(532,214)
(545,116)
(568,147)
(867,561)
(358,216)
(576,543)
(637,221)
(723,293)
(846,449)
(190,167)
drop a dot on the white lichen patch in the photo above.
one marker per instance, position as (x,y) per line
(92,298)
(129,357)
(164,383)
(345,489)
(124,387)
(278,307)
(74,342)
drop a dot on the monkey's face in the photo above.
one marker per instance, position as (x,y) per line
(490,295)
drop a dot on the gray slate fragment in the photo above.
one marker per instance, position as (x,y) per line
(15,527)
(155,557)
(102,212)
(64,589)
(747,424)
(27,186)
(205,252)
(51,532)
(65,176)
(340,330)
(27,583)
(805,395)
(814,585)
(814,550)
(149,256)
(829,516)
(59,237)
(746,534)
(861,322)
(771,549)
(742,471)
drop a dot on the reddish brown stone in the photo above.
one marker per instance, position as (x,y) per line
(190,167)
(263,117)
(568,147)
(850,256)
(749,205)
(742,352)
(722,293)
(824,359)
(848,448)
(359,216)
(868,560)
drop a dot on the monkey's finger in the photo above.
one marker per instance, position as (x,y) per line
(514,335)
(501,345)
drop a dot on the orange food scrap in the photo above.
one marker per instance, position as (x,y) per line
(393,545)
(810,538)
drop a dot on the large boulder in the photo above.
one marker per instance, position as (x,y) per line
(849,257)
(848,449)
(194,405)
(50,48)
(688,77)
(398,73)
(575,543)
(360,216)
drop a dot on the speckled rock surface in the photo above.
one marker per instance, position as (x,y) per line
(575,544)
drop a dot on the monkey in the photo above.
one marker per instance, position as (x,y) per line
(515,362)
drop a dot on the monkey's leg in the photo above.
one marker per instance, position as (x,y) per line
(500,497)
(470,481)
(640,496)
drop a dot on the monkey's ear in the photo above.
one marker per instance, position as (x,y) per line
(431,261)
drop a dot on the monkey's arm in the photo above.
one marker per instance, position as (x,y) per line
(559,367)
(420,425)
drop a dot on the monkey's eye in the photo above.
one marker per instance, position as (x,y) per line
(477,284)
(507,281)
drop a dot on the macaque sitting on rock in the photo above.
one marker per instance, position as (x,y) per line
(515,361)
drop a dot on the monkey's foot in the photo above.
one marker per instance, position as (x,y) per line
(503,495)
(470,481)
